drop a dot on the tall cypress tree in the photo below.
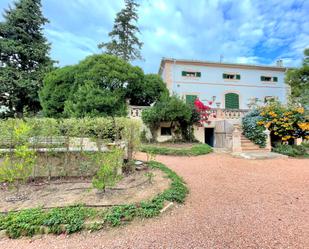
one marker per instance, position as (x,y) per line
(24,56)
(124,42)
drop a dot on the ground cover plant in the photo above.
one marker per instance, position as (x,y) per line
(72,219)
(195,150)
(292,150)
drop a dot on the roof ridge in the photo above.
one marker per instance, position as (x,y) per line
(223,63)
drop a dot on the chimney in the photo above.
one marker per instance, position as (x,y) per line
(279,63)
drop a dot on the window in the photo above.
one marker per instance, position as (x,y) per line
(190,99)
(231,101)
(166,131)
(191,74)
(229,76)
(269,79)
(268,99)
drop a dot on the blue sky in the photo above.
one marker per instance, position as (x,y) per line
(246,31)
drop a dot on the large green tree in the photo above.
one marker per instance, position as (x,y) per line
(58,87)
(24,56)
(147,91)
(124,41)
(298,79)
(97,86)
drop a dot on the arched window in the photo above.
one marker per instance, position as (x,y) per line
(231,101)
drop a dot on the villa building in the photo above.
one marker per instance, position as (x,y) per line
(232,88)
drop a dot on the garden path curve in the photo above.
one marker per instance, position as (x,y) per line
(233,203)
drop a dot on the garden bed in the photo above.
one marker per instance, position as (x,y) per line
(75,218)
(58,193)
(177,149)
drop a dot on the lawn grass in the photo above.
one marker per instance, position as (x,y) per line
(73,219)
(195,150)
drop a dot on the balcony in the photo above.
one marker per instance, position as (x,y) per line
(216,113)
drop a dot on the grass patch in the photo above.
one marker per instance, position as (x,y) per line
(195,150)
(292,150)
(72,219)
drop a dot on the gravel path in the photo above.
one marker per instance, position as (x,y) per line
(233,203)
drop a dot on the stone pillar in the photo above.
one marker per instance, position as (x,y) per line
(268,141)
(220,114)
(236,139)
(298,141)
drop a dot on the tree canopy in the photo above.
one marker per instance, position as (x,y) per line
(58,87)
(298,79)
(24,56)
(146,91)
(124,41)
(98,86)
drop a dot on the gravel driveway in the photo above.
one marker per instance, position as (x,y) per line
(233,203)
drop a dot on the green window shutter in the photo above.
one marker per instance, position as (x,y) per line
(231,101)
(238,76)
(190,99)
(184,73)
(275,79)
(224,76)
(198,74)
(262,78)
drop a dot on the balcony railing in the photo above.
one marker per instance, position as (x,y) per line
(216,113)
(222,114)
(136,111)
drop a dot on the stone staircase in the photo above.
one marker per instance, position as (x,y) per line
(248,146)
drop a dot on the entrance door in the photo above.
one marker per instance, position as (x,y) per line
(231,101)
(209,136)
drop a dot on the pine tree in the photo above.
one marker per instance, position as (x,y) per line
(124,42)
(24,56)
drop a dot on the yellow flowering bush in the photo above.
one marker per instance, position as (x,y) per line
(285,122)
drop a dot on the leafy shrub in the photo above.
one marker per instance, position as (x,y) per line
(109,163)
(291,150)
(252,130)
(288,123)
(174,110)
(18,164)
(196,150)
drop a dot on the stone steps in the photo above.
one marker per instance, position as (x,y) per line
(249,146)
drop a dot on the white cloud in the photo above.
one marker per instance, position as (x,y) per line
(246,31)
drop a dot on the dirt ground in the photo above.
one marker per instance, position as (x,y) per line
(233,203)
(131,189)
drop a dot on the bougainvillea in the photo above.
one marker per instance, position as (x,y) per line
(288,123)
(204,111)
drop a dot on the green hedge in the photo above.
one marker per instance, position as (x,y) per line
(195,150)
(102,128)
(252,130)
(73,219)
